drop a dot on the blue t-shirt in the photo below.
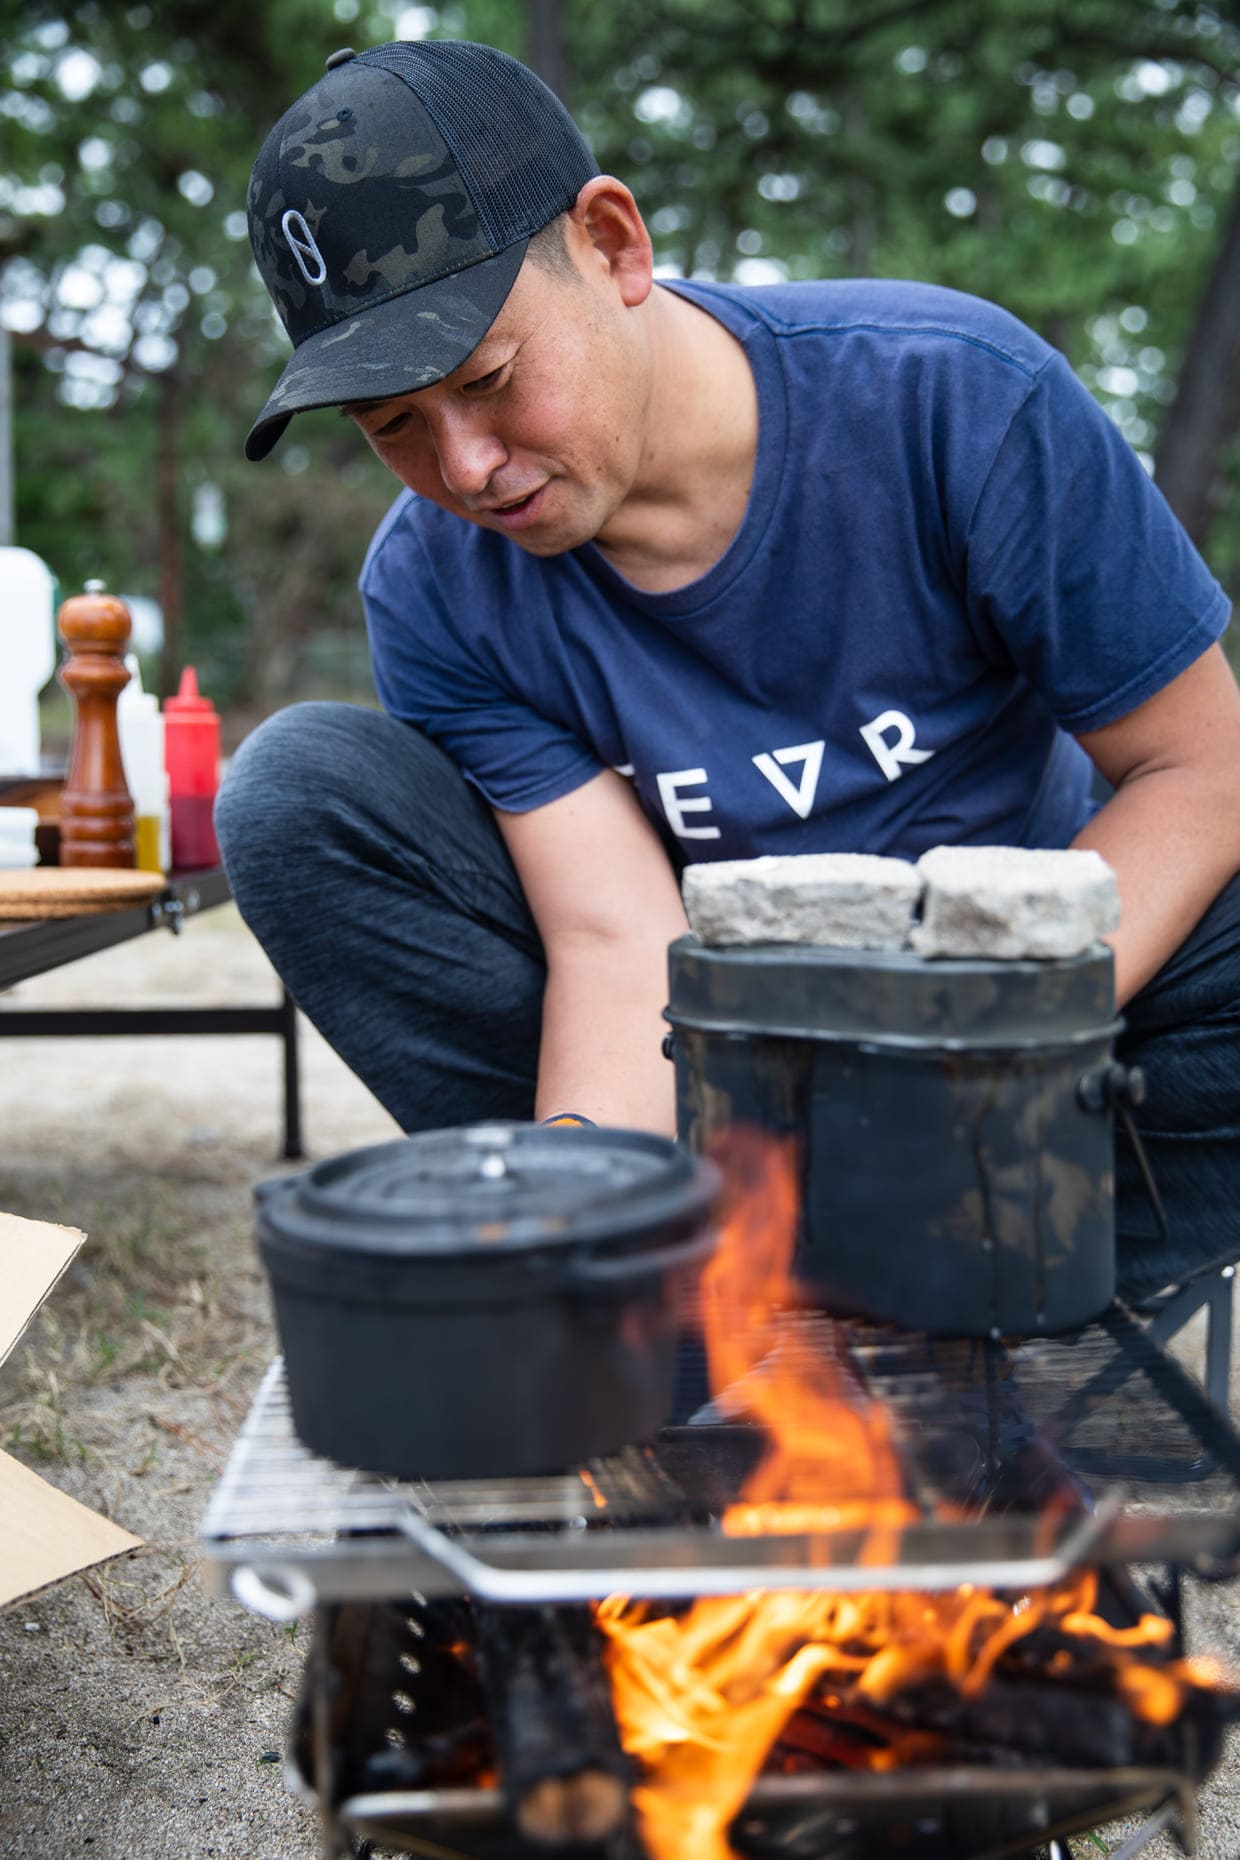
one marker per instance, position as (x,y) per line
(949,561)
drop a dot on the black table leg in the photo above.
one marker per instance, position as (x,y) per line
(293,1147)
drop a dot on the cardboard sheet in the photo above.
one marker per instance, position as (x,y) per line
(33,1254)
(43,1534)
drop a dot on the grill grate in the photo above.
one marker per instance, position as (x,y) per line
(1001,1449)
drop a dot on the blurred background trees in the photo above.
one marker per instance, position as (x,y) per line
(1078,163)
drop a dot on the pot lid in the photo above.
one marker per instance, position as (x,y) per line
(895,997)
(493,1189)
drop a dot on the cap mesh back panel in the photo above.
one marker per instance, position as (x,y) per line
(525,159)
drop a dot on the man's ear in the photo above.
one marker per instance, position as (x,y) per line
(606,230)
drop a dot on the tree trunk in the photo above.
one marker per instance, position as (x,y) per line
(1205,413)
(544,42)
(861,193)
(168,527)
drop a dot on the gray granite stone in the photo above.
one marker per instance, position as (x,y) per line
(1010,902)
(837,900)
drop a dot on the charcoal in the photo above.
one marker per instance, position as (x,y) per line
(439,1760)
(1077,1722)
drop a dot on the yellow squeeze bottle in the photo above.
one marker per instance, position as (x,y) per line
(141,727)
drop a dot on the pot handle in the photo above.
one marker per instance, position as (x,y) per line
(1117,1088)
(278,1593)
(1111,1087)
(276,1185)
(586,1269)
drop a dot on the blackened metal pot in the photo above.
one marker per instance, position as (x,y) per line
(487,1301)
(952,1116)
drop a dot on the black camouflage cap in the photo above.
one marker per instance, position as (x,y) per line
(390,209)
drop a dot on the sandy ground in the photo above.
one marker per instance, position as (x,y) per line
(141,1719)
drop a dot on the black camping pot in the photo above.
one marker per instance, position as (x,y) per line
(486,1301)
(952,1119)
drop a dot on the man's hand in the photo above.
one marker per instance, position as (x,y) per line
(607,904)
(1171,830)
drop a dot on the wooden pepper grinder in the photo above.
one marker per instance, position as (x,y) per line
(96,809)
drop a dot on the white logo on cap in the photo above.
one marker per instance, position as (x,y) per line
(302,245)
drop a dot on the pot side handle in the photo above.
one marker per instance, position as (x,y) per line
(585,1269)
(275,1186)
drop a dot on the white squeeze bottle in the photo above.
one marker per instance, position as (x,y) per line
(141,727)
(27,656)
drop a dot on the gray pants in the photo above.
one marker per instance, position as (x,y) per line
(376,880)
(380,887)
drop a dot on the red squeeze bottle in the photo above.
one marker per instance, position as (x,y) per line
(192,758)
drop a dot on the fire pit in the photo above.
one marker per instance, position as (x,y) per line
(991,1443)
(877,1596)
(414,1761)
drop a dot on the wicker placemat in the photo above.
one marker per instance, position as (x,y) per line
(73,891)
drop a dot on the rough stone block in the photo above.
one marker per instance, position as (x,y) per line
(1009,902)
(840,900)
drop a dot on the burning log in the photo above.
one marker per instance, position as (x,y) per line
(1095,1683)
(1074,1724)
(564,1775)
(1015,1722)
(839,1737)
(1079,1694)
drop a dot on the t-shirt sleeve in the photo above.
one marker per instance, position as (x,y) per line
(1077,570)
(427,675)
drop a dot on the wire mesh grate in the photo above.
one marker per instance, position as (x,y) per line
(1021,1462)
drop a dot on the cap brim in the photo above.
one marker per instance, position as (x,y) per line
(397,347)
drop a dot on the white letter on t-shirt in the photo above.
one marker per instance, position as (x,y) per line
(675,807)
(889,756)
(801,797)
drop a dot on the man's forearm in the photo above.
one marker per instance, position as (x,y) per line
(1172,846)
(602,1038)
(1171,830)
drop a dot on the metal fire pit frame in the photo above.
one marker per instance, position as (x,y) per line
(435,1822)
(1040,1805)
(286,1529)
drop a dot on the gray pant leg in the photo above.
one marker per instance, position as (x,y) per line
(379,886)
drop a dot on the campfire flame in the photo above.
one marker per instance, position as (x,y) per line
(703,1695)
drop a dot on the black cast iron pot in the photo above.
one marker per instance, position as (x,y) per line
(952,1117)
(488,1301)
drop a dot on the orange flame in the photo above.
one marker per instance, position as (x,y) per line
(831,1464)
(701,1696)
(592,1487)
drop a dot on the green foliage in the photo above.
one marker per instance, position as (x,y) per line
(1077,164)
(1071,165)
(144,344)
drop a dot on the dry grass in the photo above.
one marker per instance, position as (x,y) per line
(151,1299)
